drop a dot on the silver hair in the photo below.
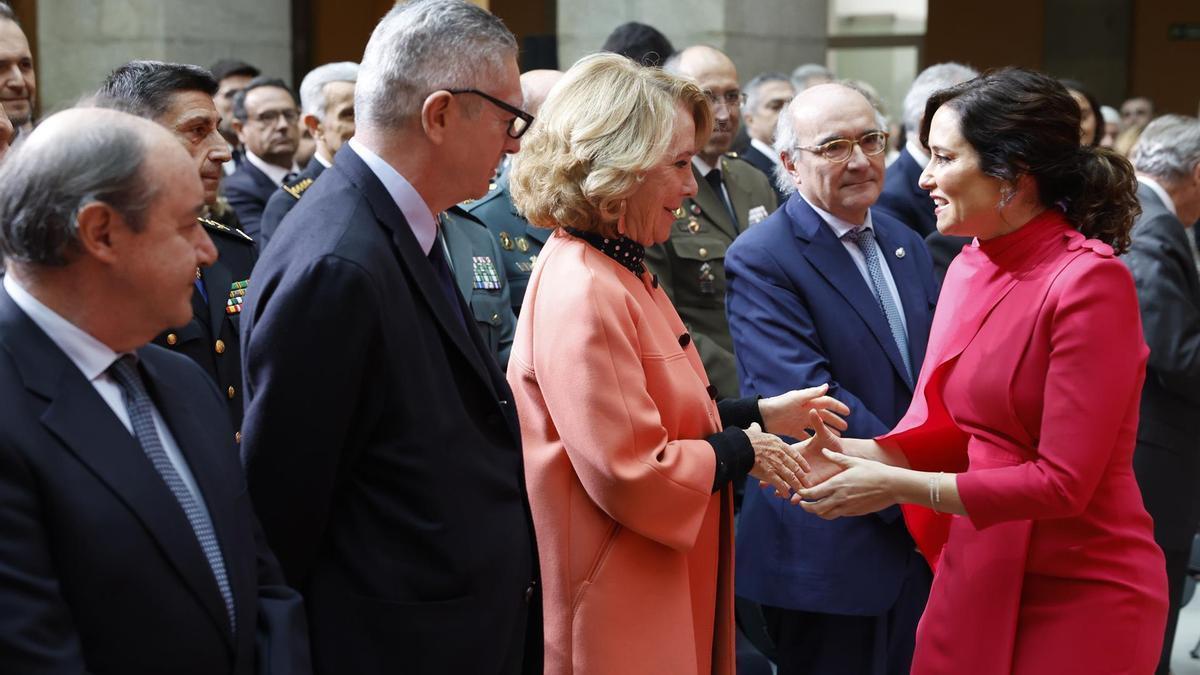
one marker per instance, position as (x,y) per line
(785,144)
(934,78)
(752,89)
(44,185)
(804,72)
(423,46)
(312,89)
(1169,148)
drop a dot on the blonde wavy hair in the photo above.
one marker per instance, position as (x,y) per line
(602,127)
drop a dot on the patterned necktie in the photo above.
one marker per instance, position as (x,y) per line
(141,417)
(864,238)
(437,259)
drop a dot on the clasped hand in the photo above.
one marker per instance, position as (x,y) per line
(787,468)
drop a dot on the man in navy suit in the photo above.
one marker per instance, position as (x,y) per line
(766,95)
(127,543)
(383,450)
(825,290)
(902,198)
(266,118)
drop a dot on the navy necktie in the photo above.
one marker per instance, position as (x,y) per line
(441,269)
(713,178)
(864,238)
(141,417)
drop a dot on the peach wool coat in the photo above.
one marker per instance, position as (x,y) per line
(635,548)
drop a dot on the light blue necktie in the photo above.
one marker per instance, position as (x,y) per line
(864,238)
(141,417)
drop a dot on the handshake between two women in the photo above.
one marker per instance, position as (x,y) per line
(804,472)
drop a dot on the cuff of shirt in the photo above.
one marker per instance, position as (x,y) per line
(735,456)
(740,412)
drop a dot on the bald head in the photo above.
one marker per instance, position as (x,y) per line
(715,73)
(820,115)
(536,86)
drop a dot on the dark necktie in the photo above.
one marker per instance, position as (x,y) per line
(864,238)
(441,269)
(289,178)
(141,417)
(713,178)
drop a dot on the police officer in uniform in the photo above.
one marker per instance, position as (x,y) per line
(327,105)
(519,241)
(475,258)
(731,195)
(179,97)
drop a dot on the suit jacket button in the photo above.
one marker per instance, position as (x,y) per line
(172,339)
(703,252)
(219,347)
(237,437)
(529,592)
(231,391)
(495,319)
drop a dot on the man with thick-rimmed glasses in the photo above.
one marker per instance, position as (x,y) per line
(731,196)
(382,447)
(266,119)
(831,290)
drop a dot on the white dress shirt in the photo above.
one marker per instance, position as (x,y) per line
(93,358)
(1162,194)
(768,151)
(415,210)
(840,228)
(275,173)
(703,167)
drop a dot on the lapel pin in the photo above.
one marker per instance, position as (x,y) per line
(695,210)
(900,252)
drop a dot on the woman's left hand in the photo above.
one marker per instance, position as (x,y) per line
(863,486)
(787,414)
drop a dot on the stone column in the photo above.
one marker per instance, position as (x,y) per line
(759,36)
(81,41)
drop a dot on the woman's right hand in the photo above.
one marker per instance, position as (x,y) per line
(776,463)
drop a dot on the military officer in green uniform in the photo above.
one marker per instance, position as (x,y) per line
(475,259)
(179,98)
(731,196)
(519,241)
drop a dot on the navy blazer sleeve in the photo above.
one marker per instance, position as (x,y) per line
(777,343)
(293,467)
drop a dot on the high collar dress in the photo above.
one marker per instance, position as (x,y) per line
(1029,392)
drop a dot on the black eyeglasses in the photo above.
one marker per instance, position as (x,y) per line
(839,150)
(517,126)
(731,99)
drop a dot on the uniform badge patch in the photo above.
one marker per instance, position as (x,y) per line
(483,273)
(756,215)
(237,295)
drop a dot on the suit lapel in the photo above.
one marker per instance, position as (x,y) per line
(712,206)
(739,197)
(909,286)
(830,258)
(413,260)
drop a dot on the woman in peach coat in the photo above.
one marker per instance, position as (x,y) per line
(628,460)
(1020,437)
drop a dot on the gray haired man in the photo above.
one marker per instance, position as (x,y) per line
(383,452)
(766,95)
(126,542)
(1167,457)
(327,110)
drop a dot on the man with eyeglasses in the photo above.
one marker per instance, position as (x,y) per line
(731,196)
(829,290)
(382,446)
(766,95)
(265,116)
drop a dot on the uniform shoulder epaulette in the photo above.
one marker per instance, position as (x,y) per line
(731,154)
(220,227)
(298,189)
(472,204)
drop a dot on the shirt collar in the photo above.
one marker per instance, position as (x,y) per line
(91,356)
(321,160)
(766,150)
(275,173)
(416,211)
(840,227)
(1161,192)
(702,166)
(913,146)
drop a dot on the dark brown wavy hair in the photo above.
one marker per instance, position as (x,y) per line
(1024,123)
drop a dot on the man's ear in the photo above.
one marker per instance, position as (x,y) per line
(312,123)
(100,228)
(789,165)
(237,126)
(435,116)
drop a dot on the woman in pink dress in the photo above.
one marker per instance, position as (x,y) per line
(1013,463)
